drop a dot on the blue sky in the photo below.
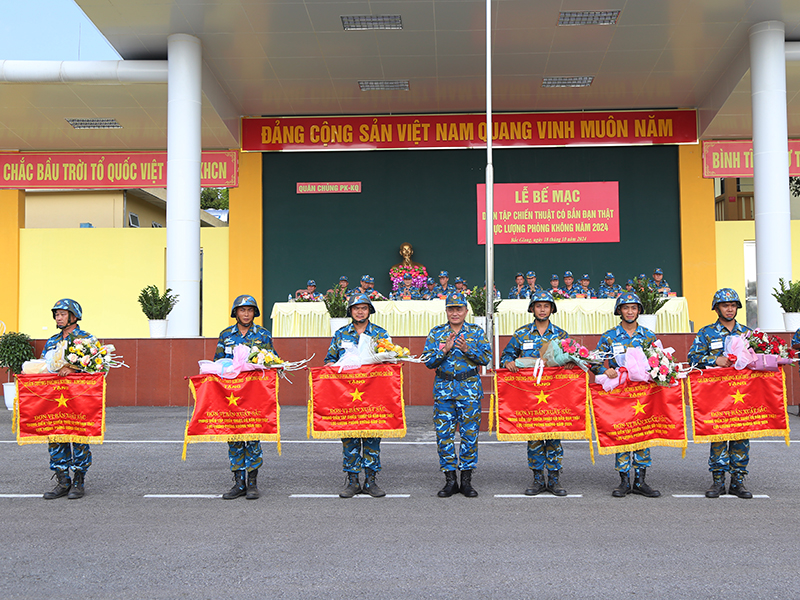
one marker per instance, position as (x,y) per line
(49,30)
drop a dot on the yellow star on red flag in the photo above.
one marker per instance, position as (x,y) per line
(233,400)
(542,397)
(738,397)
(62,401)
(356,394)
(639,407)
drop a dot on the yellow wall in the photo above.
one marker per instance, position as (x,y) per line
(246,230)
(730,238)
(69,209)
(12,222)
(104,270)
(698,248)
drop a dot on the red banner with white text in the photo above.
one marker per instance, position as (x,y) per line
(554,408)
(510,130)
(51,408)
(638,415)
(362,402)
(732,405)
(241,409)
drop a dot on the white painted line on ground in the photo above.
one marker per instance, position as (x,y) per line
(183,495)
(337,495)
(537,496)
(723,496)
(20,495)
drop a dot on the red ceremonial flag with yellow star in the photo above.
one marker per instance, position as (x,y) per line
(638,415)
(241,409)
(362,402)
(732,405)
(554,408)
(51,408)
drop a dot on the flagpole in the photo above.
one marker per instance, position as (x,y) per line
(489,187)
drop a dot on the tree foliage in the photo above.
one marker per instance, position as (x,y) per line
(214,198)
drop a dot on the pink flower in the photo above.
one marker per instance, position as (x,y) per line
(653,361)
(583,352)
(663,370)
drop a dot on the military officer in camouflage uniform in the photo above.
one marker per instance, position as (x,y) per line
(406,291)
(364,288)
(67,313)
(530,280)
(614,342)
(608,289)
(427,291)
(659,283)
(443,288)
(456,350)
(527,342)
(569,285)
(585,290)
(358,452)
(708,350)
(245,457)
(519,290)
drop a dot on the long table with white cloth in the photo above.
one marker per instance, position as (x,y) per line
(412,318)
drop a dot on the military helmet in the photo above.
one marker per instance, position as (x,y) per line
(543,297)
(69,305)
(359,299)
(244,300)
(726,295)
(627,298)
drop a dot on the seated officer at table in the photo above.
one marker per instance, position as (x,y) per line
(245,457)
(530,281)
(443,288)
(358,453)
(527,342)
(343,283)
(362,289)
(310,291)
(569,285)
(554,284)
(585,290)
(614,342)
(629,286)
(427,291)
(519,290)
(608,289)
(461,287)
(406,291)
(659,283)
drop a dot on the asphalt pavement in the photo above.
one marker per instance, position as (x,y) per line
(153,526)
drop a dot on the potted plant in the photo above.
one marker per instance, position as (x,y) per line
(15,349)
(788,296)
(477,300)
(336,303)
(652,301)
(156,307)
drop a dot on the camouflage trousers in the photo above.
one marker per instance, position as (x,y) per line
(545,454)
(466,413)
(78,457)
(358,453)
(637,459)
(731,455)
(245,455)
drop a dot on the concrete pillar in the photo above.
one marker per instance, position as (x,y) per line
(771,168)
(184,100)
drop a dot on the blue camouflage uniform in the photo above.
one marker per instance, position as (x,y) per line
(243,455)
(616,341)
(438,290)
(588,292)
(76,456)
(357,453)
(516,293)
(606,291)
(526,343)
(708,345)
(406,293)
(457,393)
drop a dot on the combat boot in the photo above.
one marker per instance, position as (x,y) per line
(717,485)
(466,484)
(238,488)
(538,485)
(624,487)
(552,484)
(351,487)
(370,487)
(63,484)
(252,485)
(450,485)
(640,486)
(77,485)
(737,488)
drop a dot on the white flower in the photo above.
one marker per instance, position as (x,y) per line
(73,358)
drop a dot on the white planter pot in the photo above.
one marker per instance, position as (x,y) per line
(480,322)
(791,321)
(337,323)
(158,328)
(10,392)
(648,321)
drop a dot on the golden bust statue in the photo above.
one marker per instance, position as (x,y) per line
(406,251)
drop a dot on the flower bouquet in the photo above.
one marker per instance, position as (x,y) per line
(419,275)
(376,296)
(559,294)
(263,358)
(82,354)
(370,351)
(758,350)
(651,363)
(304,296)
(248,358)
(560,353)
(661,368)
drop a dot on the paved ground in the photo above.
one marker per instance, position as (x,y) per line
(119,543)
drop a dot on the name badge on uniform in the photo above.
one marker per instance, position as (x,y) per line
(716,345)
(527,345)
(617,349)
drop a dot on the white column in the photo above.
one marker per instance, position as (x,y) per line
(184,100)
(771,167)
